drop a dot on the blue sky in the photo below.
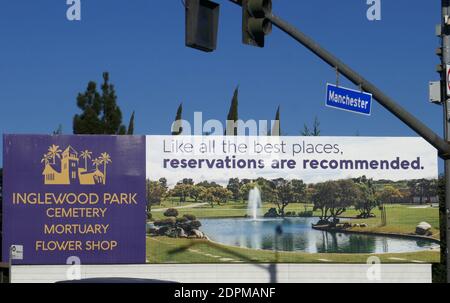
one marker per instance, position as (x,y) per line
(46,60)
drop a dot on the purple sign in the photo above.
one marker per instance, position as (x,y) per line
(74,198)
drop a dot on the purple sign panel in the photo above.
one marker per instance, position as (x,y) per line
(74,198)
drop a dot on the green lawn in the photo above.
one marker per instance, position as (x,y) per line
(169,250)
(401,219)
(226,210)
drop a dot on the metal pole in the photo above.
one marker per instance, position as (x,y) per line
(442,145)
(446,116)
(415,124)
(10,264)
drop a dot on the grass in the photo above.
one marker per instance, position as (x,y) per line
(226,210)
(401,219)
(169,250)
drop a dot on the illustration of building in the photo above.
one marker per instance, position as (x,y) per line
(63,167)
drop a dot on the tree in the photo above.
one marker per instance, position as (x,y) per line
(315,131)
(155,192)
(285,195)
(182,191)
(349,193)
(86,155)
(299,190)
(214,195)
(389,194)
(267,188)
(105,159)
(91,104)
(54,152)
(187,181)
(276,129)
(58,131)
(207,184)
(234,187)
(333,198)
(100,113)
(130,130)
(245,190)
(233,116)
(207,196)
(195,192)
(177,126)
(222,194)
(163,182)
(367,200)
(423,188)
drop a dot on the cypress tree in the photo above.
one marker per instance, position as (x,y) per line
(177,128)
(276,130)
(233,115)
(130,130)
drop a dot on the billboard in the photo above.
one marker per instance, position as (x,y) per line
(231,199)
(291,199)
(74,198)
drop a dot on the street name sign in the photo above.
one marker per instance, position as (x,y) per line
(349,100)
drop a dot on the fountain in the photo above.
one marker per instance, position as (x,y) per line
(254,204)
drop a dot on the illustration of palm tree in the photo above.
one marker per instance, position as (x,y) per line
(96,163)
(46,159)
(86,155)
(105,159)
(53,152)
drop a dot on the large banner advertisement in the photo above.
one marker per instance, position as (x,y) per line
(231,199)
(74,199)
(291,199)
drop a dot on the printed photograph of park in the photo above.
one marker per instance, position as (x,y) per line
(290,221)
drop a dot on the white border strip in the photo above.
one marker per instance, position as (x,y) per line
(232,273)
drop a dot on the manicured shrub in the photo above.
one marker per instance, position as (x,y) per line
(165,222)
(171,212)
(181,220)
(190,217)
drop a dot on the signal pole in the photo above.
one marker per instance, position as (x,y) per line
(441,144)
(445,35)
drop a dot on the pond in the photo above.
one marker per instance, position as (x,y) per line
(298,235)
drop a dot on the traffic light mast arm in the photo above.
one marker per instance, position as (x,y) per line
(415,124)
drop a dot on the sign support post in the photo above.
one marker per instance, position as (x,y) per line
(445,96)
(10,264)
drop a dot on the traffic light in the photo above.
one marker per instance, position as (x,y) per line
(255,25)
(202,22)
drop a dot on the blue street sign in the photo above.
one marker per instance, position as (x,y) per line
(349,100)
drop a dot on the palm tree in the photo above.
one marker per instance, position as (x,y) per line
(53,152)
(45,159)
(96,163)
(86,155)
(105,159)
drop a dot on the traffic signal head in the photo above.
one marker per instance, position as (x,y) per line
(255,25)
(202,22)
